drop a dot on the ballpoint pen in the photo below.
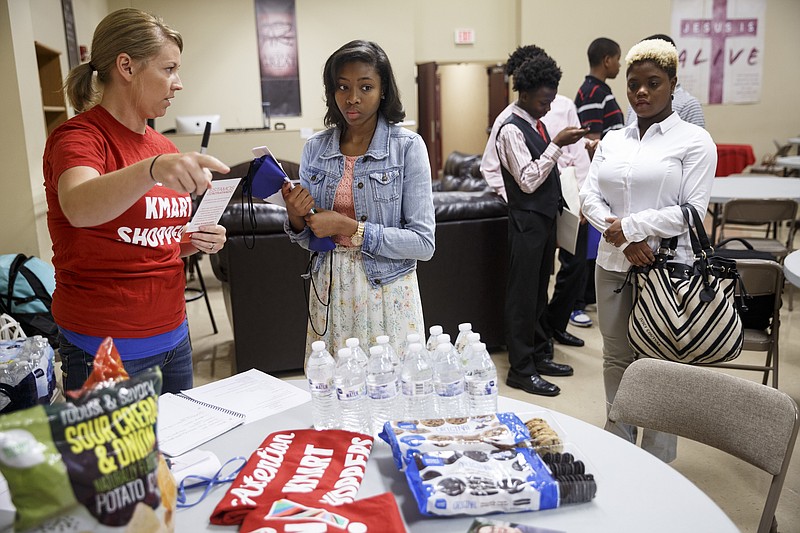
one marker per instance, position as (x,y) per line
(204,144)
(206,138)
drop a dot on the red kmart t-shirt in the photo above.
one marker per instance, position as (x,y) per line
(123,278)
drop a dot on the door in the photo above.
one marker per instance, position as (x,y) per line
(498,93)
(429,114)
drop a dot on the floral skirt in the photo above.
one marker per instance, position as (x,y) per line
(357,309)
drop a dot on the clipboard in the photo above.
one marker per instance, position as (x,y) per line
(569,220)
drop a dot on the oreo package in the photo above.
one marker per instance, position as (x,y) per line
(484,432)
(478,482)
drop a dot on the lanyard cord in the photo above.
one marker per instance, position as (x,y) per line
(327,305)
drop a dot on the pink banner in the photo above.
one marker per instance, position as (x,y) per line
(721,49)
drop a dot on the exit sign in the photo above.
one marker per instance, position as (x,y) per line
(465,36)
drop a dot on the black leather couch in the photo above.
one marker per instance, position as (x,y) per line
(260,270)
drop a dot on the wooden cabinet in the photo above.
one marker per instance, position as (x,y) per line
(51,81)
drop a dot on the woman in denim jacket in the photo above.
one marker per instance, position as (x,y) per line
(366,183)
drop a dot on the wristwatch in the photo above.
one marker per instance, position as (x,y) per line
(357,238)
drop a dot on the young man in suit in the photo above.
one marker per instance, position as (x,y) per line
(528,160)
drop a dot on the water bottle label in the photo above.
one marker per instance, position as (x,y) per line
(382,392)
(417,388)
(450,389)
(352,393)
(318,386)
(482,388)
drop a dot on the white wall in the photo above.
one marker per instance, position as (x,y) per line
(464,123)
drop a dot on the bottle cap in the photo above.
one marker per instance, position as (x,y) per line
(479,347)
(473,337)
(412,337)
(415,346)
(317,346)
(443,338)
(344,353)
(382,339)
(376,350)
(444,347)
(464,326)
(351,342)
(436,330)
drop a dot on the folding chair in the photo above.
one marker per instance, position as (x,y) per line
(763,280)
(769,213)
(727,412)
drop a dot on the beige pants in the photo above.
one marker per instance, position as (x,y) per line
(613,310)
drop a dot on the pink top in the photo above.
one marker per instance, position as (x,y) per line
(343,202)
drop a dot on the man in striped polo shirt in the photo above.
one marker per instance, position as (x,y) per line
(597,108)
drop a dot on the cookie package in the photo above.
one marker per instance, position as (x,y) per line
(463,433)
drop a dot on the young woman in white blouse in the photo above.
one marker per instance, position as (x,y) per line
(638,179)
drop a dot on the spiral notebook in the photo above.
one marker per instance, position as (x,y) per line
(185,423)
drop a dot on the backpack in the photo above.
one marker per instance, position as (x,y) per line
(26,294)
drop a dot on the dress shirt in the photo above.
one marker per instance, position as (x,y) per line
(515,156)
(644,182)
(684,104)
(562,114)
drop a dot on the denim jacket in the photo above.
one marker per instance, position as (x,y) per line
(391,195)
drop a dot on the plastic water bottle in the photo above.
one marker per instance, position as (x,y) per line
(383,340)
(411,338)
(382,389)
(448,382)
(481,377)
(472,338)
(417,383)
(350,379)
(444,338)
(319,372)
(355,347)
(433,340)
(464,329)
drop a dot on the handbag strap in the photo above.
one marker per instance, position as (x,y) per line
(701,246)
(744,243)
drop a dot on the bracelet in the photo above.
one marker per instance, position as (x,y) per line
(152,164)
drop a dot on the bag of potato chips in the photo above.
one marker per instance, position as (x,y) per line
(92,464)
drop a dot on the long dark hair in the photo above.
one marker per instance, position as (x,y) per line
(365,52)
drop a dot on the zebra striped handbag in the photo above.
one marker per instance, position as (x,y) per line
(686,313)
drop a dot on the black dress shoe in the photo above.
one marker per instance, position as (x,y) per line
(568,339)
(549,368)
(532,385)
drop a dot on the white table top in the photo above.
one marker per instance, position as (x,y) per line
(791,268)
(636,491)
(755,187)
(794,140)
(790,161)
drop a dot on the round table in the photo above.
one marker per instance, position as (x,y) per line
(636,491)
(789,161)
(791,268)
(755,187)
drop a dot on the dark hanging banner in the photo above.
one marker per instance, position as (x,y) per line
(73,52)
(277,53)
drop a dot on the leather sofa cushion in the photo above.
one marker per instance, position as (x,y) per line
(449,206)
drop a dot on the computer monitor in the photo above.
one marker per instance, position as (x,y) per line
(196,124)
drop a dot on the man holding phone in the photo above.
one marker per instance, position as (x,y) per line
(528,164)
(569,281)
